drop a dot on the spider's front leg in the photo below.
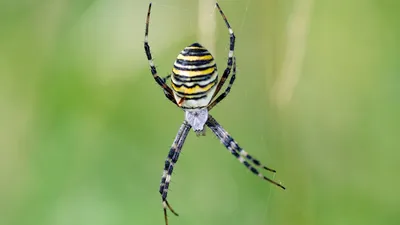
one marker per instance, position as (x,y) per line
(227,90)
(166,78)
(172,158)
(230,62)
(160,81)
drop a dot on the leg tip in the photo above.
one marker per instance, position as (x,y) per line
(281,186)
(269,169)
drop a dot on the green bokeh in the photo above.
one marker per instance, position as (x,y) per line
(84,129)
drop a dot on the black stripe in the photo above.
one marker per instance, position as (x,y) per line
(147,50)
(188,49)
(196,45)
(195,52)
(182,94)
(196,84)
(194,98)
(192,79)
(193,63)
(232,42)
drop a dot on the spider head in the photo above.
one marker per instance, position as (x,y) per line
(197,118)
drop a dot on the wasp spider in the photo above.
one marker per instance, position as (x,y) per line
(194,84)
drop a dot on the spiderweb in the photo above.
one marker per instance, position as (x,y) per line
(118,29)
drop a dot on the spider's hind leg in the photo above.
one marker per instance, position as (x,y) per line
(171,160)
(238,152)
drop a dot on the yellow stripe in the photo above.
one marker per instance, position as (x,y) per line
(195,58)
(193,90)
(193,73)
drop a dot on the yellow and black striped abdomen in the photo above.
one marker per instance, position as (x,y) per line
(194,77)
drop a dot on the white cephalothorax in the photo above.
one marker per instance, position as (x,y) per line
(197,119)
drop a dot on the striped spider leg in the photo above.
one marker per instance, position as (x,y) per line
(237,151)
(230,56)
(227,90)
(231,63)
(160,81)
(172,158)
(229,142)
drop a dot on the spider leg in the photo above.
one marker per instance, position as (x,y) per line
(238,152)
(160,81)
(172,158)
(227,90)
(230,54)
(166,78)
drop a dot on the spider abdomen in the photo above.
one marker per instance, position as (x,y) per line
(194,77)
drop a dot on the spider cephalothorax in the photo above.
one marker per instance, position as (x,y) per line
(194,82)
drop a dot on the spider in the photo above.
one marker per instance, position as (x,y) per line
(194,84)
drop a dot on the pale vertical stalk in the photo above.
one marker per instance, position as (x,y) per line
(297,33)
(207,24)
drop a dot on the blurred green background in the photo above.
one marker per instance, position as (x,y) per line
(84,129)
